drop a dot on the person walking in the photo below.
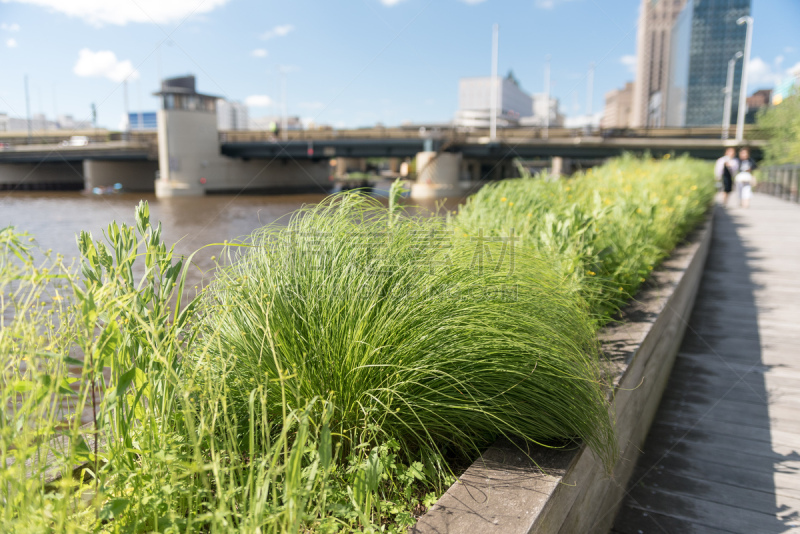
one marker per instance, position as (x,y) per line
(724,171)
(744,177)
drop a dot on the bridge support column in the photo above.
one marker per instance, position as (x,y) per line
(561,166)
(132,175)
(437,175)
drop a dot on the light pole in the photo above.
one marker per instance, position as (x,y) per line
(726,111)
(745,65)
(547,97)
(493,87)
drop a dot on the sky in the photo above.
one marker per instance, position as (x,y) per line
(347,63)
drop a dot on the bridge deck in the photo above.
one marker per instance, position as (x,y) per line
(723,454)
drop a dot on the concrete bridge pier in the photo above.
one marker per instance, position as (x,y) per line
(133,175)
(437,175)
(560,166)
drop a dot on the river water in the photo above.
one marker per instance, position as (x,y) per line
(56,218)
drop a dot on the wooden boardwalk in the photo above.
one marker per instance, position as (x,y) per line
(723,454)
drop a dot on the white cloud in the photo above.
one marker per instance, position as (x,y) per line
(100,12)
(104,64)
(629,60)
(14,27)
(278,31)
(259,52)
(391,2)
(258,101)
(762,74)
(765,75)
(11,43)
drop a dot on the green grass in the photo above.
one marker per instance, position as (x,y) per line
(335,365)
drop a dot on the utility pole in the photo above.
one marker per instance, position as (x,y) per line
(493,88)
(589,93)
(55,107)
(726,111)
(127,119)
(743,87)
(28,108)
(547,96)
(284,118)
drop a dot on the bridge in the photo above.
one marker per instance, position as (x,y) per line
(242,159)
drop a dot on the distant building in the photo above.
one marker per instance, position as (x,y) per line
(756,102)
(540,110)
(143,120)
(619,108)
(232,115)
(474,102)
(653,49)
(704,38)
(263,123)
(39,122)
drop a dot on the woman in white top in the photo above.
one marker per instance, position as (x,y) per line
(744,177)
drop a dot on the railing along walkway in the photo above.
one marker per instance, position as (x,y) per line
(723,454)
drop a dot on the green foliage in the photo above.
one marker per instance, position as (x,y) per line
(604,230)
(320,381)
(781,123)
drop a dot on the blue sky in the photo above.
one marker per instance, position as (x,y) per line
(348,63)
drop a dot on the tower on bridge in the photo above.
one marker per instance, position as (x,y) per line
(188,141)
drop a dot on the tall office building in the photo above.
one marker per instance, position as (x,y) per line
(656,18)
(705,37)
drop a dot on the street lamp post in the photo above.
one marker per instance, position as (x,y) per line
(493,87)
(726,112)
(745,65)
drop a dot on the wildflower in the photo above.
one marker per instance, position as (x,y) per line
(591,273)
(213,258)
(639,210)
(530,215)
(679,197)
(503,199)
(694,188)
(621,288)
(510,204)
(666,156)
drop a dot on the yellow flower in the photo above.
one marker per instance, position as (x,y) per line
(569,188)
(530,215)
(591,273)
(694,188)
(621,289)
(510,204)
(503,199)
(666,156)
(639,210)
(679,197)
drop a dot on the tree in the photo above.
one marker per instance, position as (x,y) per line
(781,123)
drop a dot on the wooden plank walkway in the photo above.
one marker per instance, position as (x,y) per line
(723,454)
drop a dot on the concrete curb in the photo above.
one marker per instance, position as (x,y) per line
(505,492)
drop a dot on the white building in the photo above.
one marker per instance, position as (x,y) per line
(474,102)
(264,123)
(541,109)
(39,122)
(232,115)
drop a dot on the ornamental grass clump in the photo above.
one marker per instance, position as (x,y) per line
(434,339)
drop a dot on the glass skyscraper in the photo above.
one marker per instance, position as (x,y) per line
(704,37)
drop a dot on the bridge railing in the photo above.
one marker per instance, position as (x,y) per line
(781,181)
